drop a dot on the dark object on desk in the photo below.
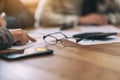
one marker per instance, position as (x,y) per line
(94,35)
(67,26)
(20,54)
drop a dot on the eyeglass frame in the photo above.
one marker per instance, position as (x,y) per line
(65,37)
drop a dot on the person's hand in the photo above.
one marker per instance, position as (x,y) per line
(3,23)
(93,19)
(20,37)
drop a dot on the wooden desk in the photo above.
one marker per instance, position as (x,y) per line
(98,62)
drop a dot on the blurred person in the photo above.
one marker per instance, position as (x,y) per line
(17,15)
(8,38)
(83,12)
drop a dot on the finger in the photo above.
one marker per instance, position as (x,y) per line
(23,39)
(32,39)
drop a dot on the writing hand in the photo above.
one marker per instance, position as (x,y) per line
(21,38)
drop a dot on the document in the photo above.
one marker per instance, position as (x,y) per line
(40,32)
(105,29)
(28,45)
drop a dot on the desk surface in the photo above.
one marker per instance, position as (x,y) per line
(98,62)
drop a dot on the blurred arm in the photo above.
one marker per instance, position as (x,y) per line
(6,39)
(17,14)
(50,16)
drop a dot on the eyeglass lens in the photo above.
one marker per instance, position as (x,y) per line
(50,40)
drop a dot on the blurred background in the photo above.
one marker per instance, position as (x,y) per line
(31,4)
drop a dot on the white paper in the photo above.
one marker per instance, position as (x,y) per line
(106,28)
(90,42)
(30,44)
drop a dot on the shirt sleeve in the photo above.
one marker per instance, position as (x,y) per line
(49,16)
(113,18)
(112,12)
(6,39)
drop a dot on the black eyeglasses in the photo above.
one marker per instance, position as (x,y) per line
(54,38)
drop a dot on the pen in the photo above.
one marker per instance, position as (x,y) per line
(95,35)
(67,26)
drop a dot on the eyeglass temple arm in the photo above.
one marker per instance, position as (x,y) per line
(55,33)
(62,34)
(79,39)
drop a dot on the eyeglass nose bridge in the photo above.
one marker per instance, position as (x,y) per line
(65,42)
(44,37)
(59,40)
